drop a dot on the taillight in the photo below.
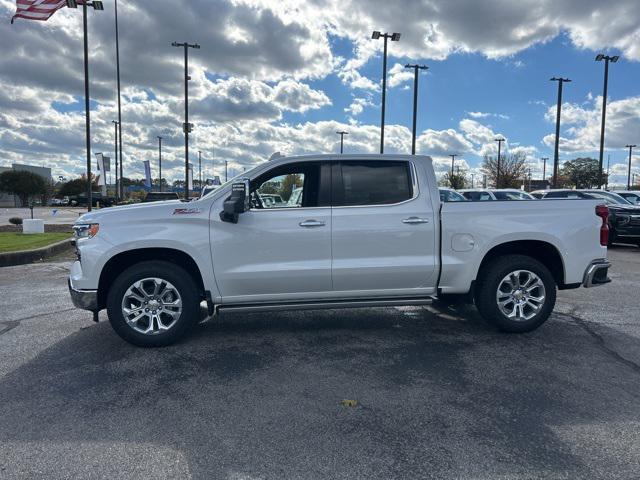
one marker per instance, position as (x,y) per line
(603,212)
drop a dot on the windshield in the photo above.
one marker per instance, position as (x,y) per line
(614,198)
(506,195)
(231,180)
(451,196)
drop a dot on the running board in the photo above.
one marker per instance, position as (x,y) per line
(317,305)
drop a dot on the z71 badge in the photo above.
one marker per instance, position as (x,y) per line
(186,211)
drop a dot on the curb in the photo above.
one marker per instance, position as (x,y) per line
(22,257)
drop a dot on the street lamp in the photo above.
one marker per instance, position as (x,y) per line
(453,159)
(556,160)
(394,38)
(119,195)
(544,167)
(186,126)
(415,102)
(342,134)
(160,160)
(499,140)
(607,59)
(96,6)
(630,147)
(115,149)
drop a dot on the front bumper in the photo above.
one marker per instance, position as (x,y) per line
(85,299)
(596,274)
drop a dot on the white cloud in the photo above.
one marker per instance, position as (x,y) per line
(399,75)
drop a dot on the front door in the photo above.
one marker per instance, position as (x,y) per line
(281,248)
(383,230)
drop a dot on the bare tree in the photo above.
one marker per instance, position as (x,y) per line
(513,168)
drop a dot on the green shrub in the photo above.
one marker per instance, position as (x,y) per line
(15,220)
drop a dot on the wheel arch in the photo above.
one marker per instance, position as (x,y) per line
(120,262)
(544,252)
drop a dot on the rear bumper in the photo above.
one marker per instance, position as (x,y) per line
(85,299)
(596,274)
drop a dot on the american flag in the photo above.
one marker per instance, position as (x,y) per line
(37,9)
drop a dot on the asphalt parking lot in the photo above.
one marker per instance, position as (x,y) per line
(439,393)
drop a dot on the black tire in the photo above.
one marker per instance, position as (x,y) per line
(490,278)
(169,272)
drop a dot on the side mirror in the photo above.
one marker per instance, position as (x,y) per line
(237,203)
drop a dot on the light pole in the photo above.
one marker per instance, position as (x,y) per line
(342,134)
(415,102)
(87,115)
(556,160)
(472,177)
(630,147)
(119,103)
(200,167)
(226,171)
(499,140)
(544,167)
(115,149)
(607,59)
(160,160)
(453,159)
(186,126)
(394,38)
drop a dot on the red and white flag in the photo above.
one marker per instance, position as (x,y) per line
(37,9)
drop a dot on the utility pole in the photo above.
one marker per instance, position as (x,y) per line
(630,147)
(415,102)
(556,160)
(472,177)
(226,171)
(544,167)
(606,182)
(342,134)
(186,126)
(160,160)
(607,59)
(453,159)
(529,178)
(499,140)
(394,38)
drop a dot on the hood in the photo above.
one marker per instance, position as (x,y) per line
(150,208)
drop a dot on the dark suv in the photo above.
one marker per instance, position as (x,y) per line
(624,218)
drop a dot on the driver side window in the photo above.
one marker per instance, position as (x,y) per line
(289,186)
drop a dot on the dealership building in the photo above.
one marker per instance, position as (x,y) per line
(9,200)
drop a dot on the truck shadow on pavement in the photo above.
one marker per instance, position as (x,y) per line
(439,395)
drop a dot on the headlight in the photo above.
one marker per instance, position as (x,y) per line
(86,230)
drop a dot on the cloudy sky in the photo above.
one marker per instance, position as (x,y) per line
(285,75)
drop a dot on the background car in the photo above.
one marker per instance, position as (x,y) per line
(511,194)
(632,196)
(624,217)
(477,195)
(160,196)
(450,195)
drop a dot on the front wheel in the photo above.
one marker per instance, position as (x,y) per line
(153,304)
(516,293)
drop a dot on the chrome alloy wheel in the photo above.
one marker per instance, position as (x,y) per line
(520,295)
(151,306)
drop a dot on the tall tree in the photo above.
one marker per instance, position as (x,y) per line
(581,173)
(22,184)
(454,180)
(78,186)
(513,168)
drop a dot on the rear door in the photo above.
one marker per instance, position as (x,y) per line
(383,239)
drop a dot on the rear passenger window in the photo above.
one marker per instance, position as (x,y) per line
(372,183)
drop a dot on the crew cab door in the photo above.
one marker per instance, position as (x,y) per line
(280,249)
(383,240)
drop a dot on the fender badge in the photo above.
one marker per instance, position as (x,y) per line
(186,211)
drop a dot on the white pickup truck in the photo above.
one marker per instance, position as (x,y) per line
(332,231)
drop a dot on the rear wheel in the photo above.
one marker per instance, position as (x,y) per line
(153,304)
(516,293)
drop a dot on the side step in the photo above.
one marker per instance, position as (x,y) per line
(324,304)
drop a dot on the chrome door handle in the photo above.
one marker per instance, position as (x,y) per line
(311,223)
(415,220)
